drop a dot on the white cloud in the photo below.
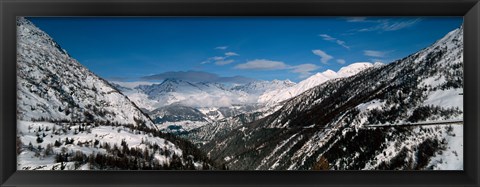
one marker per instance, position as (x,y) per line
(224,62)
(304,69)
(342,43)
(327,37)
(221,47)
(262,64)
(389,25)
(341,61)
(400,25)
(210,101)
(373,53)
(221,60)
(324,57)
(231,54)
(218,58)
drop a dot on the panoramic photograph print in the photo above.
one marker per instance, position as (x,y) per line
(239,93)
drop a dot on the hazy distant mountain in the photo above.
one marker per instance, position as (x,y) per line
(197,76)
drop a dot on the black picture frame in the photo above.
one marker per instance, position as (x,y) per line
(10,9)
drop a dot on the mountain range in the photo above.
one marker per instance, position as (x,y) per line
(190,104)
(363,117)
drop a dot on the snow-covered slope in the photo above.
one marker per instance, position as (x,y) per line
(68,118)
(207,132)
(279,95)
(52,85)
(329,125)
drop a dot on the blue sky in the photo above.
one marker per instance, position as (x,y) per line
(263,48)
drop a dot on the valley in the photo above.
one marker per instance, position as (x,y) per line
(351,119)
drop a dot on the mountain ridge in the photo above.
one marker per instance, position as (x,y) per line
(326,124)
(276,96)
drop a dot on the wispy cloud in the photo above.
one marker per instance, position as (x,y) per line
(262,64)
(324,57)
(221,60)
(400,25)
(377,60)
(390,25)
(341,61)
(374,53)
(303,70)
(224,62)
(218,58)
(221,47)
(231,54)
(327,37)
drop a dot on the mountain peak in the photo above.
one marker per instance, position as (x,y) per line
(354,68)
(329,72)
(289,82)
(285,82)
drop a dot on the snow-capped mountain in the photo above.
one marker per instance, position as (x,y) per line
(260,87)
(214,100)
(68,118)
(202,94)
(330,125)
(217,101)
(180,92)
(279,95)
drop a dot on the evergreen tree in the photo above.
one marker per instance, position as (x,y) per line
(39,140)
